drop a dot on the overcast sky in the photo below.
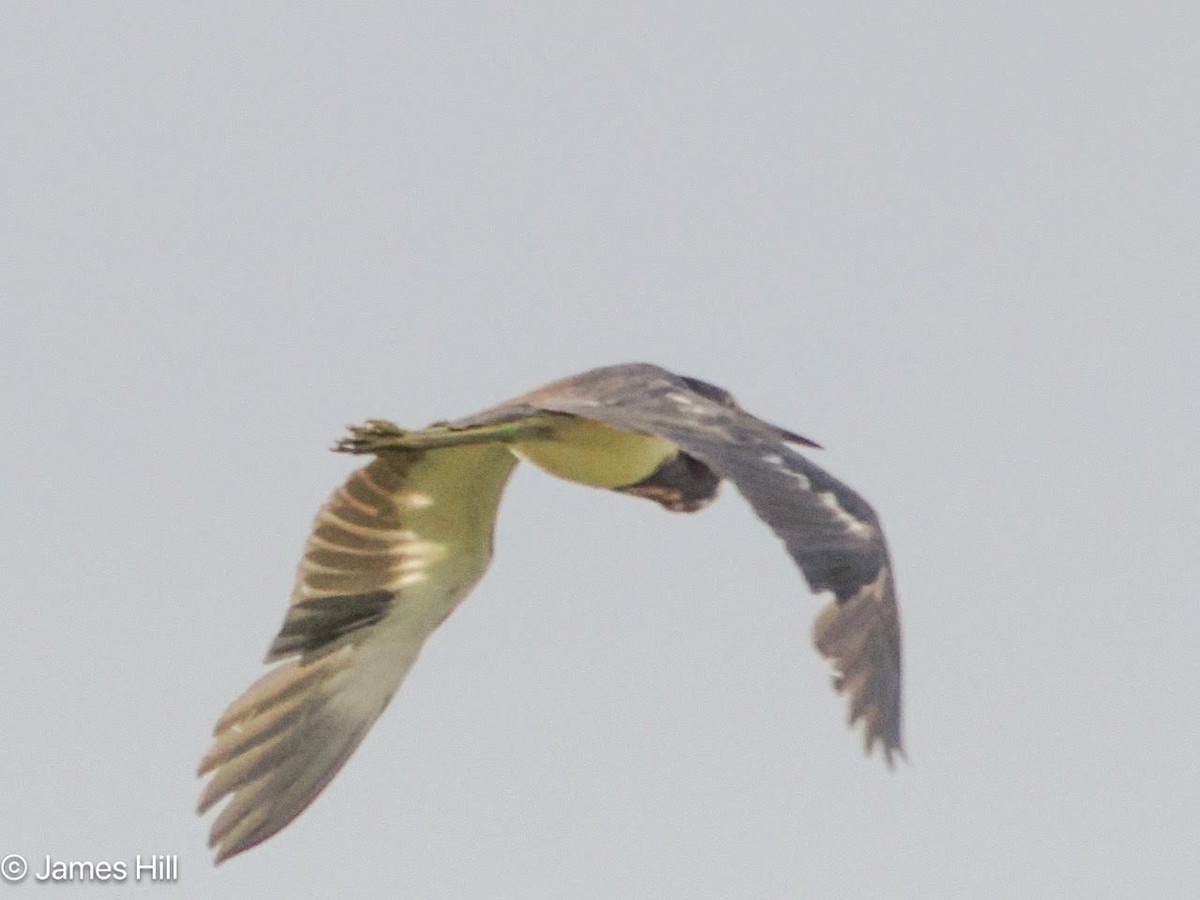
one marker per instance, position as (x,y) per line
(955,243)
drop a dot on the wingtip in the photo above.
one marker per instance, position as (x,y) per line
(891,754)
(222,854)
(225,852)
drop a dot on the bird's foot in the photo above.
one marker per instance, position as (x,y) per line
(372,436)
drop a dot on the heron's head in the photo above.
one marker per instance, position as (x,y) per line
(711,392)
(724,398)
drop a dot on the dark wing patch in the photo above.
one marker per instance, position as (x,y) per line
(829,530)
(315,625)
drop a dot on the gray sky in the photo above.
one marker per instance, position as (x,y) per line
(955,244)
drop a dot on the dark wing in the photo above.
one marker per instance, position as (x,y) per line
(830,531)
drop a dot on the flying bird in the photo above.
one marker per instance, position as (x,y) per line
(406,538)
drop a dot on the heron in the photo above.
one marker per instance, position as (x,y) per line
(402,542)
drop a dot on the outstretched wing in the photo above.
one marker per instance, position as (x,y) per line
(835,539)
(829,530)
(391,554)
